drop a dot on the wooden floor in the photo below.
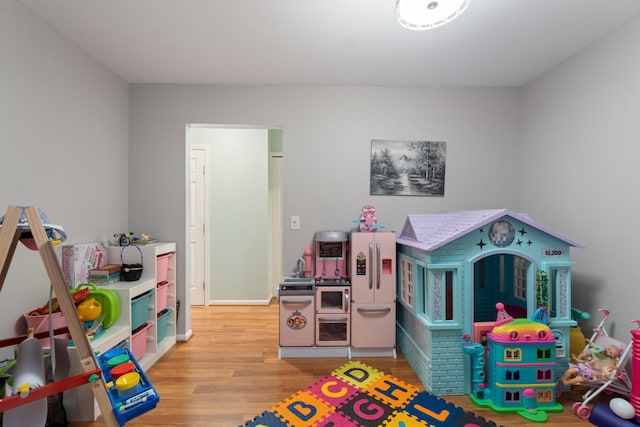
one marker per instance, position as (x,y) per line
(229,372)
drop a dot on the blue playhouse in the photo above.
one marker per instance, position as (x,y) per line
(453,270)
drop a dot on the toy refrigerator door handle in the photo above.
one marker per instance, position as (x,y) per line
(370,258)
(378,265)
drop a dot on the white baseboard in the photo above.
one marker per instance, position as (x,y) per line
(184,337)
(240,302)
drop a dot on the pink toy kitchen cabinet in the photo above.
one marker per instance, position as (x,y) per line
(373,292)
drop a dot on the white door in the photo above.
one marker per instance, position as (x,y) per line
(197,226)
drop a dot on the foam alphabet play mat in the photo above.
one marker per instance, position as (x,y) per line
(358,395)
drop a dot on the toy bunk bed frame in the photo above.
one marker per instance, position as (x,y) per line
(9,237)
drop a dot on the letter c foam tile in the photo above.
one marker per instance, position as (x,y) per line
(332,390)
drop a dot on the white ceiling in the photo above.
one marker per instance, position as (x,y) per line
(329,42)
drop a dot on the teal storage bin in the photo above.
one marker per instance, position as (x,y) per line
(161,325)
(140,309)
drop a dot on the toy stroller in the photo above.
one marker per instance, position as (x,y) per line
(601,367)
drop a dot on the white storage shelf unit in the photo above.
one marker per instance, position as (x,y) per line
(120,333)
(128,291)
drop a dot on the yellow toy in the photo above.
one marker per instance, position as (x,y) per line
(577,339)
(89,310)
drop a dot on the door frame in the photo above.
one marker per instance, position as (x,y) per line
(276,234)
(188,260)
(207,240)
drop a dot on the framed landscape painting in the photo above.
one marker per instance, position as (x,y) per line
(407,168)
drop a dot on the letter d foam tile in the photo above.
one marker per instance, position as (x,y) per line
(357,373)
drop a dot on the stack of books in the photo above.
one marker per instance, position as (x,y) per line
(109,273)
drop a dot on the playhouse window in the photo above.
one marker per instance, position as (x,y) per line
(512,375)
(407,282)
(544,374)
(520,277)
(544,395)
(512,396)
(449,295)
(558,289)
(443,295)
(440,294)
(543,354)
(561,342)
(553,289)
(512,354)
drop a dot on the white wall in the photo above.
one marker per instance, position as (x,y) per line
(580,174)
(327,132)
(66,119)
(64,126)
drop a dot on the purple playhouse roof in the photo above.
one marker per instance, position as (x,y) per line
(432,231)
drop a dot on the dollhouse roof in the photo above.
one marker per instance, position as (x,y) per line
(521,330)
(432,231)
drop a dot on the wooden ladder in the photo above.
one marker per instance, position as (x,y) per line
(9,237)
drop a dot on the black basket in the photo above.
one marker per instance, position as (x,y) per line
(130,272)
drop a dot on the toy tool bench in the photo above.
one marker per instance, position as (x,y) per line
(132,393)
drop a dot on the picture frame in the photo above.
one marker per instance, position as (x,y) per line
(407,168)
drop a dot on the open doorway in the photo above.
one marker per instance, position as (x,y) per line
(243,244)
(497,278)
(501,278)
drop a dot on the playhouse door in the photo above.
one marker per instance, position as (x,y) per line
(499,278)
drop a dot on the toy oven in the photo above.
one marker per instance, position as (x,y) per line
(333,318)
(332,299)
(333,330)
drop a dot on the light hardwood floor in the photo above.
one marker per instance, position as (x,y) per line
(229,372)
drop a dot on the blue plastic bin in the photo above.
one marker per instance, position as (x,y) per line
(140,309)
(161,325)
(126,408)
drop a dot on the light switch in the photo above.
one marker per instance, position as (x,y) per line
(295,222)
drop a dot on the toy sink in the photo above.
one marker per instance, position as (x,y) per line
(296,286)
(296,280)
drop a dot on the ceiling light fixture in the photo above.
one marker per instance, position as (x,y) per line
(428,14)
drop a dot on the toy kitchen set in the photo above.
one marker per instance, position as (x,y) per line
(341,300)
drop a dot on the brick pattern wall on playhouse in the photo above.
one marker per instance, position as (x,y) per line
(447,363)
(435,356)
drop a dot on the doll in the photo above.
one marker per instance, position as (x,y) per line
(592,350)
(587,368)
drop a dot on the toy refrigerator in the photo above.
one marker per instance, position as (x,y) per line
(373,290)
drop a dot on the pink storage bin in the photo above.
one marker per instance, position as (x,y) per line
(40,323)
(139,341)
(162,294)
(162,267)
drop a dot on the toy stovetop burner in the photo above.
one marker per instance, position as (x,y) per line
(331,257)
